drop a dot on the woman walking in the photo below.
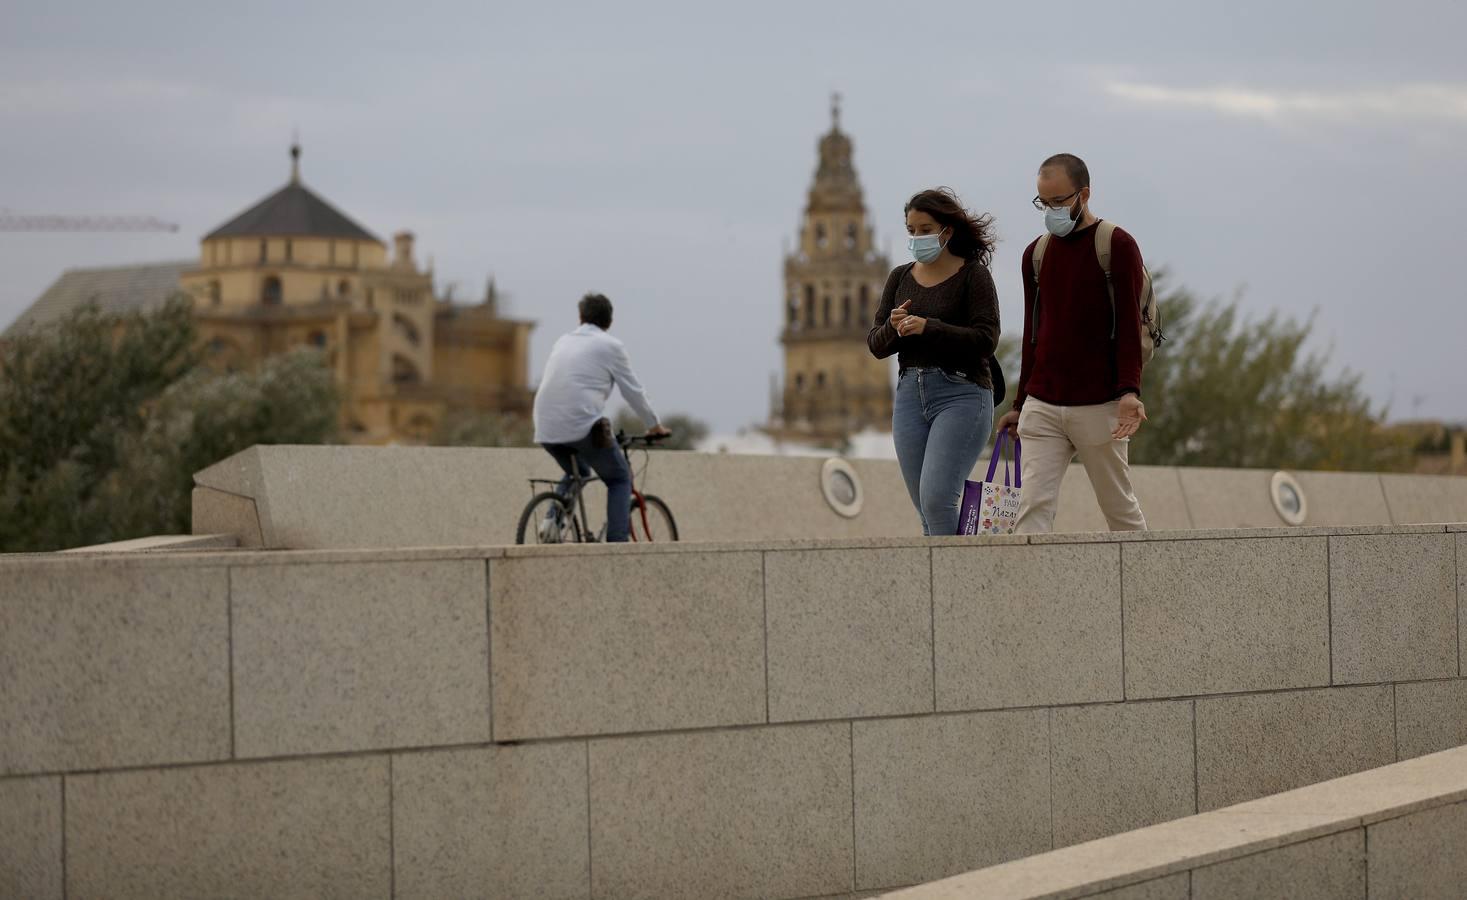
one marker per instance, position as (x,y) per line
(939,314)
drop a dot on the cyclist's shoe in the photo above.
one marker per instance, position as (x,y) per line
(550,526)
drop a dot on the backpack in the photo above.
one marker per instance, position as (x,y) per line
(995,371)
(1151,336)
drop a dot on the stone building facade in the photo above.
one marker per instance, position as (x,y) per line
(832,387)
(294,271)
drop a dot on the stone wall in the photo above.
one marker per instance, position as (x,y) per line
(787,719)
(344,497)
(1395,831)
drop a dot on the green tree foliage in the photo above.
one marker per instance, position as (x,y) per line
(203,418)
(1237,393)
(1228,391)
(104,420)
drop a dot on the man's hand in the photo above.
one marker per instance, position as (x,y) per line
(1010,423)
(1129,416)
(658,431)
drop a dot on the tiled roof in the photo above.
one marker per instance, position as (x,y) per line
(119,289)
(293,210)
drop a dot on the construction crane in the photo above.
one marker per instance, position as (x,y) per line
(10,221)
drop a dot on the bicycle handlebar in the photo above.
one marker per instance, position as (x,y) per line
(648,440)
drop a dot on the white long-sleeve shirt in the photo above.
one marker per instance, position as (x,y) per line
(583,367)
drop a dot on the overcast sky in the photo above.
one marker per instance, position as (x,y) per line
(1310,155)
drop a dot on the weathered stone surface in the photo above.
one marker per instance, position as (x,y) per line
(763,812)
(1420,855)
(1117,862)
(1430,716)
(939,795)
(1217,616)
(105,665)
(627,643)
(1327,868)
(1371,795)
(1425,498)
(1252,746)
(850,633)
(359,656)
(30,838)
(218,512)
(1393,601)
(491,822)
(307,829)
(1027,626)
(1172,887)
(1343,498)
(1118,767)
(1229,498)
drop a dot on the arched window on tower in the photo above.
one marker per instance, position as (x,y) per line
(825,312)
(799,381)
(820,235)
(845,310)
(865,304)
(851,236)
(793,312)
(819,380)
(404,372)
(271,294)
(809,306)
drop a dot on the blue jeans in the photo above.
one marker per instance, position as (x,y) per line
(611,466)
(939,424)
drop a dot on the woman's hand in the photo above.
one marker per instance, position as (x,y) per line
(897,315)
(911,325)
(905,323)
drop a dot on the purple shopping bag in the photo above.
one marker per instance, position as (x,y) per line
(989,507)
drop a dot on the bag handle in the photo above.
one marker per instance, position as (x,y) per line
(1017,473)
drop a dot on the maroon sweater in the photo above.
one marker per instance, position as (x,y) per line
(1074,361)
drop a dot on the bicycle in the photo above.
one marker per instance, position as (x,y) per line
(550,518)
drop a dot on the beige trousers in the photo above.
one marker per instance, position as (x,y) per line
(1052,435)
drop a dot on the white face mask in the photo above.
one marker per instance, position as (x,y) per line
(1059,221)
(926,247)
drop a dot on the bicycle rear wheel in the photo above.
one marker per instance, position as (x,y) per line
(548,519)
(652,523)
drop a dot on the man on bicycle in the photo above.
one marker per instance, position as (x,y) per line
(570,418)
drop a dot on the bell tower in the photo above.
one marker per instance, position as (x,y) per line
(832,386)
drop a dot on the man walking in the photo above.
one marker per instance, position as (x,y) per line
(1079,388)
(570,407)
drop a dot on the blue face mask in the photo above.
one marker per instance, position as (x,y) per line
(1058,221)
(925,247)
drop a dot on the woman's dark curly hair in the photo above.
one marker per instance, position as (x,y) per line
(972,235)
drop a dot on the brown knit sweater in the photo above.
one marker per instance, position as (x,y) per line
(962,322)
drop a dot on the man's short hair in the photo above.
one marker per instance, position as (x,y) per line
(1074,167)
(596,310)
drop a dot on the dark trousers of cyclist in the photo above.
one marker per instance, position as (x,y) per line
(611,465)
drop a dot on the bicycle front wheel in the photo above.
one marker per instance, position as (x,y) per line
(652,521)
(548,519)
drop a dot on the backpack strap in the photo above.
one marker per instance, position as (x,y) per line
(1039,247)
(1037,259)
(1104,232)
